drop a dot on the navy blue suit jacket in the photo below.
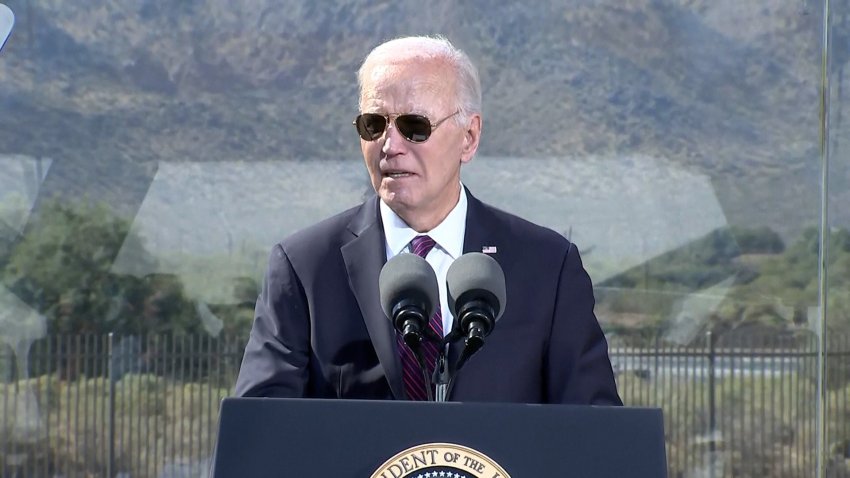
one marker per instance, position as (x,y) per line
(319,330)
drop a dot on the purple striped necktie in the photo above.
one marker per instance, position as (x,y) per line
(414,384)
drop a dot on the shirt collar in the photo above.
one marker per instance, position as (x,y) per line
(448,234)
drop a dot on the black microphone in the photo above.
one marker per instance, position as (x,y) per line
(7,21)
(476,293)
(409,294)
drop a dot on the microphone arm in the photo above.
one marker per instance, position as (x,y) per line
(472,344)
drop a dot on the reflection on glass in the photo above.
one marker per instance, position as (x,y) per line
(213,223)
(621,211)
(7,21)
(20,323)
(675,142)
(837,257)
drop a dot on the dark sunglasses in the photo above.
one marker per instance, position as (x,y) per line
(414,128)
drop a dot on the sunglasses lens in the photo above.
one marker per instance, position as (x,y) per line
(415,128)
(370,126)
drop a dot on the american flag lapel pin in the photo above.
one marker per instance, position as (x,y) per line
(488,249)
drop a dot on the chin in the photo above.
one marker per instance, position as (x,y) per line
(398,200)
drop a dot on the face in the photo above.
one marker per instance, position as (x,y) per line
(419,181)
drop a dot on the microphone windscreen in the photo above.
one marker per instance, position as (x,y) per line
(478,276)
(408,276)
(7,20)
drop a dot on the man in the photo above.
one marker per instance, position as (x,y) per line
(319,330)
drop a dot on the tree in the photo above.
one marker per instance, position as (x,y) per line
(62,268)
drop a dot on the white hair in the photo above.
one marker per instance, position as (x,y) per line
(432,47)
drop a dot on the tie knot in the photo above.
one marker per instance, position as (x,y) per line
(422,245)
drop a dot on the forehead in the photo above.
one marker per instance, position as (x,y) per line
(409,85)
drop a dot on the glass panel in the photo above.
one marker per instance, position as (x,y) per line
(151,155)
(837,443)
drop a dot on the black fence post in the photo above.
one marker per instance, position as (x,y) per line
(711,406)
(110,463)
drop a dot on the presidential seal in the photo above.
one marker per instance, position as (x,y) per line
(440,460)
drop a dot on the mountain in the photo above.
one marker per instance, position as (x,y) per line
(109,90)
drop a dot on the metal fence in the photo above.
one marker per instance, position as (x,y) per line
(114,406)
(746,408)
(147,407)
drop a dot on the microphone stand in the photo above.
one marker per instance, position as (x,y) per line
(442,375)
(444,372)
(467,352)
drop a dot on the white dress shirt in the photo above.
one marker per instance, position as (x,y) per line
(449,238)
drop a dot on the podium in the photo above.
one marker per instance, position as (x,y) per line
(273,437)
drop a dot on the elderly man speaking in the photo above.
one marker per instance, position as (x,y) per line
(319,329)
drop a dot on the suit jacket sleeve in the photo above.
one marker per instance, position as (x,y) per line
(578,368)
(276,357)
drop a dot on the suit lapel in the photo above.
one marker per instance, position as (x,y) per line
(477,234)
(364,257)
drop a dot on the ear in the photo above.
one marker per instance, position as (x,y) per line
(471,137)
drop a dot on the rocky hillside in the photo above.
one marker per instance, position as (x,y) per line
(109,89)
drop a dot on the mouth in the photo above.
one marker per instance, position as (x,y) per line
(396,174)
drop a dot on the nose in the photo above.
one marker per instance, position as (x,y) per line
(393,141)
